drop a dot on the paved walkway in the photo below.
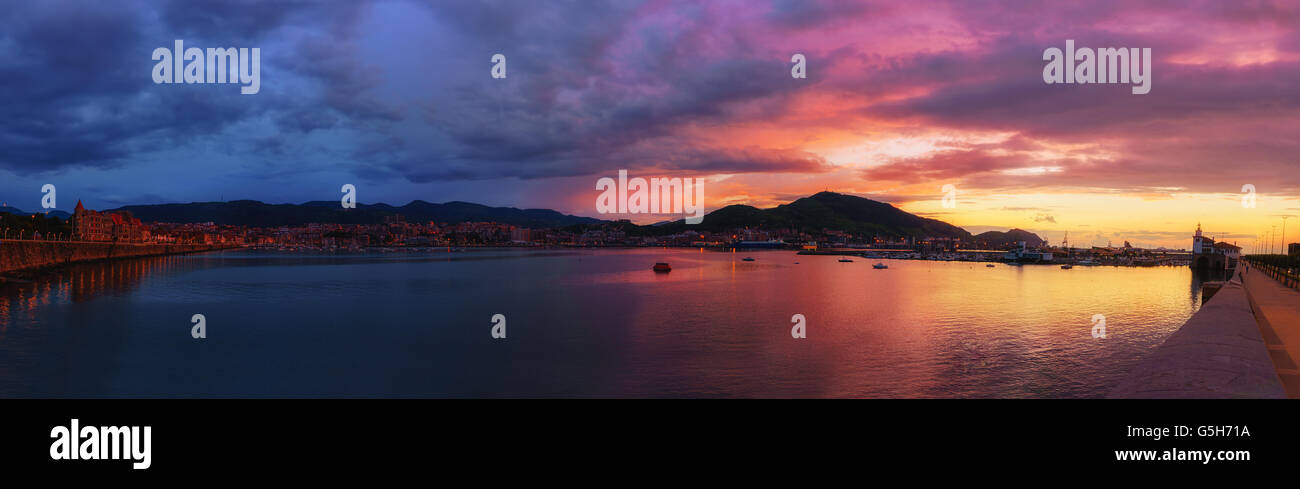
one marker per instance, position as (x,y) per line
(1277,309)
(1218,353)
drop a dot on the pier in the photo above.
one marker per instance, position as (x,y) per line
(1222,351)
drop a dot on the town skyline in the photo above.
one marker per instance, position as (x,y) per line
(1051,237)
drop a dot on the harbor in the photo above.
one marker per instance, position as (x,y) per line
(918,329)
(1023,256)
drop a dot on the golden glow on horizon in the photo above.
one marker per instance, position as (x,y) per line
(1093,218)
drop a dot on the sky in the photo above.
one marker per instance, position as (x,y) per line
(901,98)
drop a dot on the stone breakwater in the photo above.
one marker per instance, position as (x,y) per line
(1218,353)
(27,255)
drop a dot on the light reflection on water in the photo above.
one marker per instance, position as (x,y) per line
(580,323)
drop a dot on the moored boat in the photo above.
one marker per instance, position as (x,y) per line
(662,267)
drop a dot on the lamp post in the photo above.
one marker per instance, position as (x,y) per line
(1282,245)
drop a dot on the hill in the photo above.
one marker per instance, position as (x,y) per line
(19,212)
(995,240)
(827,210)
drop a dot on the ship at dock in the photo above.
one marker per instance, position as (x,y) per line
(1025,255)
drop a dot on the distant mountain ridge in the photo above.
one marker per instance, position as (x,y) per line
(828,210)
(260,214)
(19,212)
(813,214)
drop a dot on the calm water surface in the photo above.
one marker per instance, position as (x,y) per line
(580,323)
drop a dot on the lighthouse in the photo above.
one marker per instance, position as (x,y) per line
(1199,242)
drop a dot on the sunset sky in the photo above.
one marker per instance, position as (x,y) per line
(901,98)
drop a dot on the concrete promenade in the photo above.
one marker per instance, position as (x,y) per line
(1219,353)
(26,255)
(1277,309)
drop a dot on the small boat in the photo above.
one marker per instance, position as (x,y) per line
(662,267)
(880,266)
(845,260)
(748,258)
(1066,267)
(989,265)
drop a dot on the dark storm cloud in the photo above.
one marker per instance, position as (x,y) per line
(239,21)
(588,89)
(400,91)
(812,13)
(76,88)
(511,134)
(57,88)
(602,93)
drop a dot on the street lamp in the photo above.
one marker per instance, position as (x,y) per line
(1282,247)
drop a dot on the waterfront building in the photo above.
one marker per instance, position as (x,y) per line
(521,235)
(127,229)
(1208,255)
(117,226)
(88,225)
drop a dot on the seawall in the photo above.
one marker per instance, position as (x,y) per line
(28,255)
(1218,353)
